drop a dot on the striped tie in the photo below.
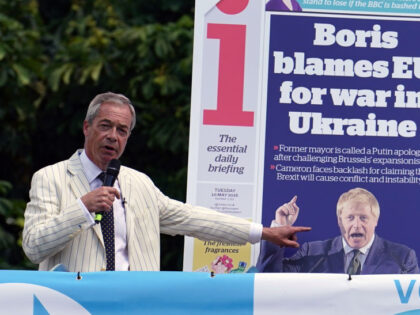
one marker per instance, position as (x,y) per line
(107,226)
(355,266)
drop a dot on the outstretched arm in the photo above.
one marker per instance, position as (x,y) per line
(283,235)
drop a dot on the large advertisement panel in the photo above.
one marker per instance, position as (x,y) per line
(295,103)
(343,113)
(225,123)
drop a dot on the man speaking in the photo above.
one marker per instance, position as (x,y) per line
(65,197)
(358,250)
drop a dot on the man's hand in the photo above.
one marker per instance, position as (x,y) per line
(100,199)
(283,235)
(287,213)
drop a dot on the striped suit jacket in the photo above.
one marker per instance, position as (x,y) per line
(55,226)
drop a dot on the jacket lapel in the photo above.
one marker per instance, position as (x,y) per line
(78,181)
(80,185)
(336,256)
(376,254)
(125,186)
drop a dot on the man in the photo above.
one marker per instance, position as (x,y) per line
(357,251)
(59,225)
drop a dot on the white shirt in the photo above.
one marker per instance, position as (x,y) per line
(121,254)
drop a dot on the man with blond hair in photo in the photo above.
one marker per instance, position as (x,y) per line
(358,250)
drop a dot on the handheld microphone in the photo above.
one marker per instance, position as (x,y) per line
(110,177)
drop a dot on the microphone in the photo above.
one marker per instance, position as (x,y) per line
(110,177)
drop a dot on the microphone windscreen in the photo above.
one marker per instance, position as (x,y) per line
(113,167)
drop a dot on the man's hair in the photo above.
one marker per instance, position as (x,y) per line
(109,97)
(359,194)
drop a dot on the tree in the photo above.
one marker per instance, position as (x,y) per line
(56,55)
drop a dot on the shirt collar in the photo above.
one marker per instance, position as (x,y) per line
(91,170)
(364,250)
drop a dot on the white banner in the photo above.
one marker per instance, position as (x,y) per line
(294,293)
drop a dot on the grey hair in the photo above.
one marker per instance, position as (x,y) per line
(109,97)
(359,194)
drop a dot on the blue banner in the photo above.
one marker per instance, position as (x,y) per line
(372,6)
(37,292)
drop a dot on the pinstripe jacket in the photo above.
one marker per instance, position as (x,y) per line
(55,229)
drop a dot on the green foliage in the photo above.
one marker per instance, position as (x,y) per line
(11,216)
(56,55)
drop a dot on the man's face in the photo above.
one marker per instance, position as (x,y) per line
(357,223)
(106,137)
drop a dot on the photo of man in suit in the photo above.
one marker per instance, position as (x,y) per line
(59,223)
(358,250)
